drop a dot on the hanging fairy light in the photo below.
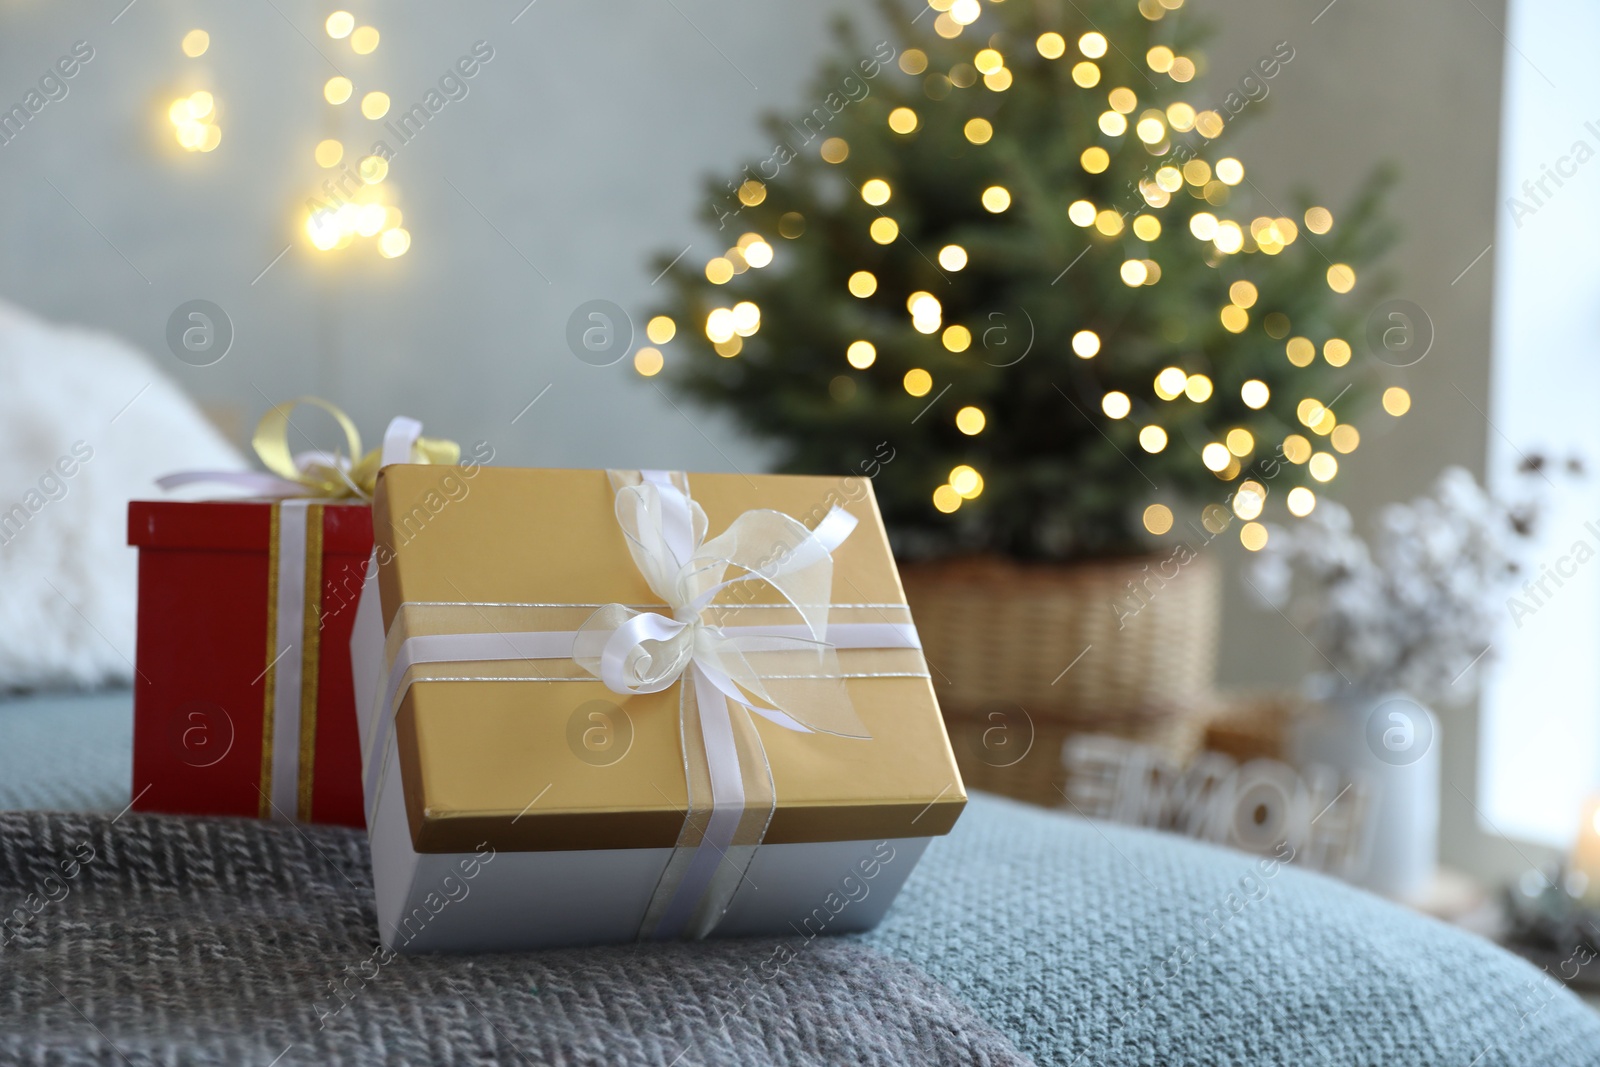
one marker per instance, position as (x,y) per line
(194,116)
(354,203)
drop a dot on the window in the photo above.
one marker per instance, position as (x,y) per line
(1539,741)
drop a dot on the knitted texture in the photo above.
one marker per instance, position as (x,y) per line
(1094,944)
(209,941)
(163,940)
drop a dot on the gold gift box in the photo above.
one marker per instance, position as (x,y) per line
(489,757)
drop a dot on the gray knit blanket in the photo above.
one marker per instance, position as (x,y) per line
(1023,936)
(196,941)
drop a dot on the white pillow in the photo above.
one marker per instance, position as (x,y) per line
(86,424)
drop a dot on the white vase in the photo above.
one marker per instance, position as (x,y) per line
(1389,744)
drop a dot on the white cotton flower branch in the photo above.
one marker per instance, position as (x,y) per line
(1415,608)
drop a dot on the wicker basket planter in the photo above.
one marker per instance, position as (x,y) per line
(1025,655)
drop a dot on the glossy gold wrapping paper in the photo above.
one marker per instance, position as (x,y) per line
(489,758)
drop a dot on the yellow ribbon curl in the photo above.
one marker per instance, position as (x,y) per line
(333,476)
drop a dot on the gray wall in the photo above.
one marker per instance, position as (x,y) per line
(582,143)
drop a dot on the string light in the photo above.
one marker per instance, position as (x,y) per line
(996,199)
(194,122)
(1319,220)
(1396,401)
(1158,519)
(861,354)
(746,318)
(1253,536)
(1150,130)
(876,192)
(1249,500)
(648,361)
(917,382)
(957,338)
(1341,278)
(863,283)
(1092,45)
(195,43)
(1170,383)
(971,421)
(1051,45)
(719,325)
(1301,501)
(964,12)
(661,329)
(978,131)
(966,481)
(1152,439)
(1323,466)
(364,40)
(394,243)
(946,499)
(1085,344)
(1086,74)
(903,120)
(1255,394)
(1108,222)
(952,257)
(1229,238)
(339,25)
(1197,388)
(883,230)
(758,253)
(1116,405)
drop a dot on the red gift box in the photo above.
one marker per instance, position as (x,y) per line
(237,709)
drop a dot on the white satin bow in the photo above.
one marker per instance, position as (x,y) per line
(789,675)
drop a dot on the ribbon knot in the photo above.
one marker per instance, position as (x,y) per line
(789,675)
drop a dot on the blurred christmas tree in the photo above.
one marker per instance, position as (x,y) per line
(1014,252)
